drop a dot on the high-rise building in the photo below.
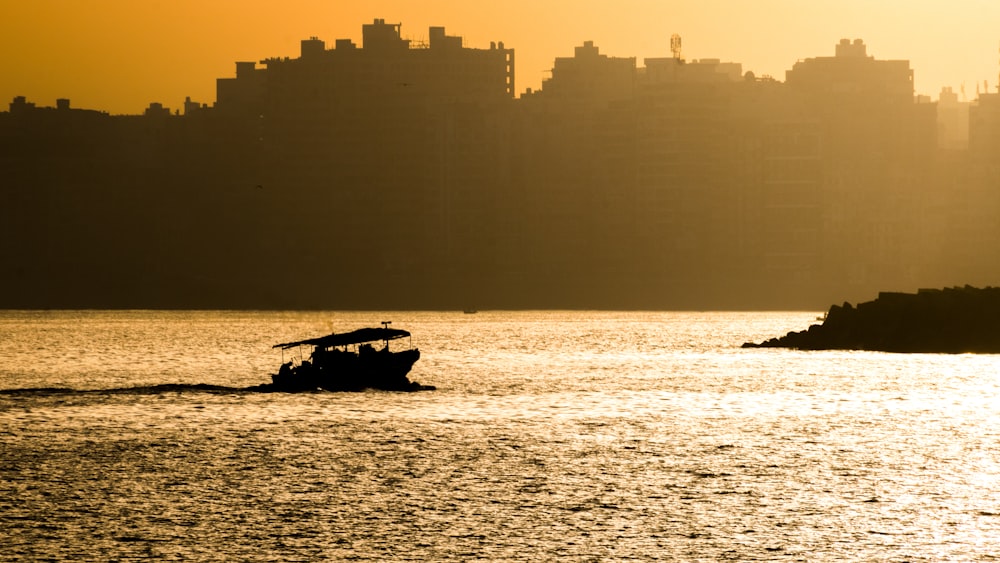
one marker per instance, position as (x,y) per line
(877,143)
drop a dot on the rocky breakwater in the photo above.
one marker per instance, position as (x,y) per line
(951,320)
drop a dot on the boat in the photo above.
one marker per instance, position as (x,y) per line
(349,361)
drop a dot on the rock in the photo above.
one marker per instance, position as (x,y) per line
(949,320)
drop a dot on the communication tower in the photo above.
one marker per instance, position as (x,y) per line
(675,46)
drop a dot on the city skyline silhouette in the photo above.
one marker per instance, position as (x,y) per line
(386,173)
(116,56)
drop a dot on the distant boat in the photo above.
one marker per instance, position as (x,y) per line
(349,361)
(470,311)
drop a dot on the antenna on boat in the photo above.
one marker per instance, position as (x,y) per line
(385,325)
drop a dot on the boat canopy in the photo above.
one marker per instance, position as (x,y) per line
(345,338)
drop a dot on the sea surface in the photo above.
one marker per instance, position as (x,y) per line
(585,436)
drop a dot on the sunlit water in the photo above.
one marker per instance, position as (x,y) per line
(577,435)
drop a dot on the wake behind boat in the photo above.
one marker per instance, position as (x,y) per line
(350,361)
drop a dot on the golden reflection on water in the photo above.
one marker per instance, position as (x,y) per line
(553,434)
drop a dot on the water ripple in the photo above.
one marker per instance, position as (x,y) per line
(646,447)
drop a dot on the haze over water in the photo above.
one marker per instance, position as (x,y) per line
(443,155)
(586,435)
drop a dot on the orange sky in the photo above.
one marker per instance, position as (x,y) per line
(120,55)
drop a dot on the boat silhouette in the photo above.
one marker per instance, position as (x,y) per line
(350,361)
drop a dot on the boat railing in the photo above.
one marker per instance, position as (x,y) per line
(296,356)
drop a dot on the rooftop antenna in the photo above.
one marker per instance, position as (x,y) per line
(675,46)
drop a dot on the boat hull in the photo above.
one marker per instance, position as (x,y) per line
(350,371)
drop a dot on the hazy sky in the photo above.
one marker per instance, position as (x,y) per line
(120,55)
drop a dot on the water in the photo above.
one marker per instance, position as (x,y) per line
(577,435)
